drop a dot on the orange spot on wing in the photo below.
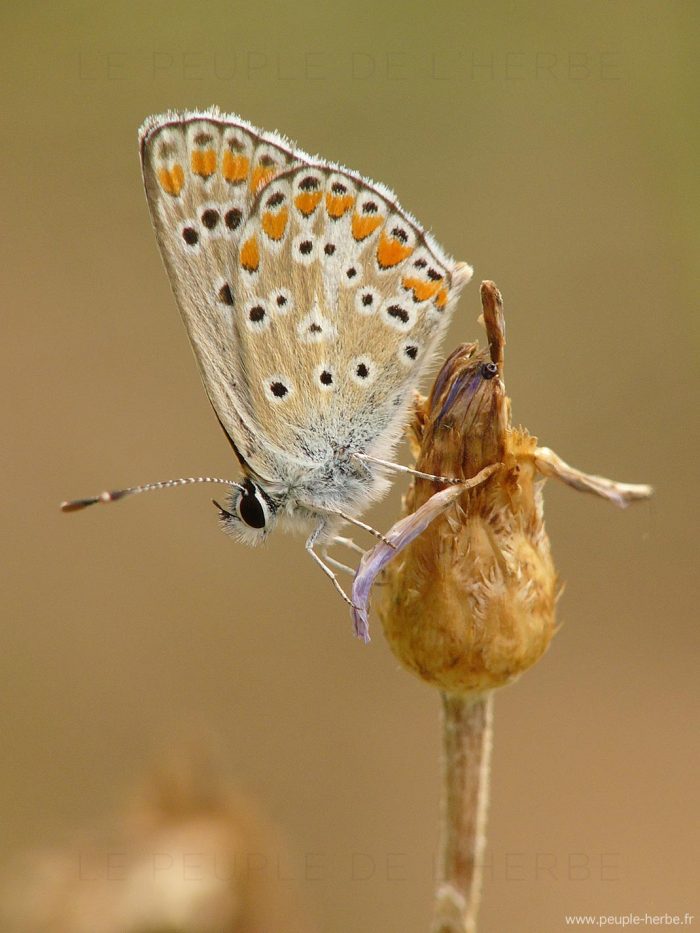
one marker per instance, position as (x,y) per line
(441,299)
(390,251)
(421,290)
(250,254)
(172,179)
(338,204)
(274,224)
(307,201)
(234,167)
(261,175)
(203,162)
(363,226)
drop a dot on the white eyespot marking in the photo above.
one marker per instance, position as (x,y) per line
(281,301)
(199,134)
(257,315)
(278,389)
(274,215)
(307,195)
(368,218)
(308,181)
(315,328)
(275,197)
(236,154)
(224,294)
(396,244)
(325,377)
(168,147)
(425,264)
(351,275)
(367,300)
(340,197)
(423,277)
(202,144)
(232,218)
(237,139)
(268,162)
(362,370)
(398,314)
(211,221)
(398,229)
(189,236)
(408,353)
(304,249)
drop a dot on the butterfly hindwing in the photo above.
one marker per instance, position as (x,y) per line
(340,299)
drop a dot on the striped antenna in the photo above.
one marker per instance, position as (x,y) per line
(75,505)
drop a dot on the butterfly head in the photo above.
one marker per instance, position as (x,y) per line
(251,515)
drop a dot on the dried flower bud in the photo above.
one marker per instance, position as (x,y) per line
(188,854)
(468,600)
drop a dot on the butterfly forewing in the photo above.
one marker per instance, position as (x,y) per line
(312,300)
(201,173)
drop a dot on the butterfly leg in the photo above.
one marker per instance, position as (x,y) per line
(364,526)
(339,565)
(324,567)
(349,543)
(404,469)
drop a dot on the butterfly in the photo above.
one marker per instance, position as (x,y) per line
(313,303)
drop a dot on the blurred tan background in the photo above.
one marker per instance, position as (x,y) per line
(554,147)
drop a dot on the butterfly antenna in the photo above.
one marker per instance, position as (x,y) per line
(75,505)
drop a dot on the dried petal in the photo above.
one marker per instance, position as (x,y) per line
(622,494)
(400,536)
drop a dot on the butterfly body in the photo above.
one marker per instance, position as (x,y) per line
(308,496)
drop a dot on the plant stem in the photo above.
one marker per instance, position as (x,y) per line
(466,735)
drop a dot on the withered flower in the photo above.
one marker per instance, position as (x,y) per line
(469,588)
(187,853)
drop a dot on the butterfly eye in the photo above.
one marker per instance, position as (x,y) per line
(250,507)
(489,370)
